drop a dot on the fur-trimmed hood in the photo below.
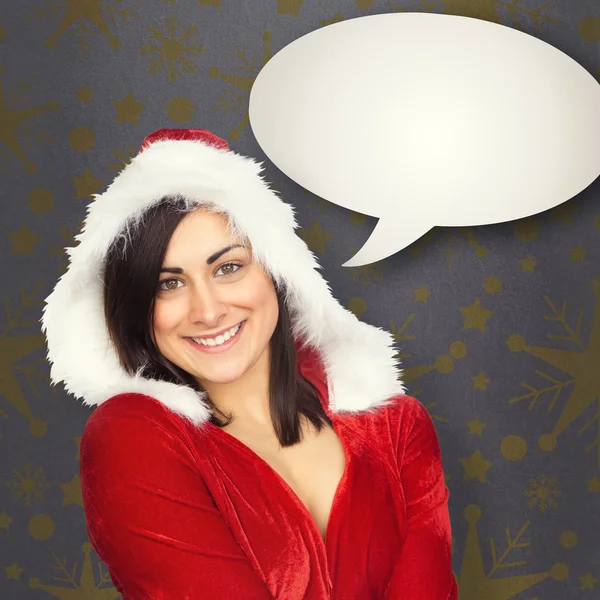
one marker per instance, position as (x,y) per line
(358,358)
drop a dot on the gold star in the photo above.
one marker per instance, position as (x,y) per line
(128,109)
(528,264)
(72,491)
(316,237)
(480,382)
(593,485)
(475,467)
(84,94)
(588,581)
(564,213)
(421,294)
(86,185)
(5,521)
(22,241)
(475,316)
(577,254)
(289,7)
(14,571)
(476,426)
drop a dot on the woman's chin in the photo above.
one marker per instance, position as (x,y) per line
(220,376)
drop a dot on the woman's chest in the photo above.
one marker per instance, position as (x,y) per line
(313,468)
(282,538)
(278,507)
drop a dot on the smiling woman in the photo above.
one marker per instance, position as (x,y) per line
(153,319)
(251,437)
(206,302)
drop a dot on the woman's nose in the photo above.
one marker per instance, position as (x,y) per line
(206,306)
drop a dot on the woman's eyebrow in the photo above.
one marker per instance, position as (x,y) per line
(213,257)
(209,261)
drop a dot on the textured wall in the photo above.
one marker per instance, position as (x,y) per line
(498,326)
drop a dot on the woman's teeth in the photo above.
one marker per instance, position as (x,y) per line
(220,339)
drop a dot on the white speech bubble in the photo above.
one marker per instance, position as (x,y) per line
(428,120)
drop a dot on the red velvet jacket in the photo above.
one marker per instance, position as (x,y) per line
(178,512)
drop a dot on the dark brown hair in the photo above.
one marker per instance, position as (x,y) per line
(131,275)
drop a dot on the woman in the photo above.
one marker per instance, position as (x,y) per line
(252,439)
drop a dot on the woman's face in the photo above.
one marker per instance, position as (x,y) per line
(195,299)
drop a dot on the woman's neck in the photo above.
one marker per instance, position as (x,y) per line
(246,398)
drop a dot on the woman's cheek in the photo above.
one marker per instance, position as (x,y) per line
(167,315)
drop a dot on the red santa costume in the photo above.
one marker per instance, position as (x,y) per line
(179,509)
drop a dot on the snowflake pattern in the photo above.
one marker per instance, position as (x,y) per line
(28,485)
(86,18)
(542,493)
(172,48)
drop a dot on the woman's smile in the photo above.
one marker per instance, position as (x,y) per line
(217,349)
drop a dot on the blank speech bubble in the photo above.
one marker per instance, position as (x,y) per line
(428,120)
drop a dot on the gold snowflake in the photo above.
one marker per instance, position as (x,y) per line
(366,273)
(85,18)
(28,484)
(543,492)
(172,50)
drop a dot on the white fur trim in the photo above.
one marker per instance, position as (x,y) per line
(358,358)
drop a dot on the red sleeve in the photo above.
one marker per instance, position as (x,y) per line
(151,518)
(424,569)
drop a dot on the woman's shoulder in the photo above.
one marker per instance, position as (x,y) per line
(408,413)
(413,431)
(401,413)
(129,405)
(130,429)
(138,414)
(400,425)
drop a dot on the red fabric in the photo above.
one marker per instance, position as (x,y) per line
(178,512)
(200,135)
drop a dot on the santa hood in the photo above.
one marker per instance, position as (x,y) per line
(357,358)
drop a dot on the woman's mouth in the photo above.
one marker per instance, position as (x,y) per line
(218,348)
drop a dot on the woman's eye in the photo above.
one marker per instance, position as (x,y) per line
(227,267)
(166,281)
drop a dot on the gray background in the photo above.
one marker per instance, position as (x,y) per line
(523,502)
